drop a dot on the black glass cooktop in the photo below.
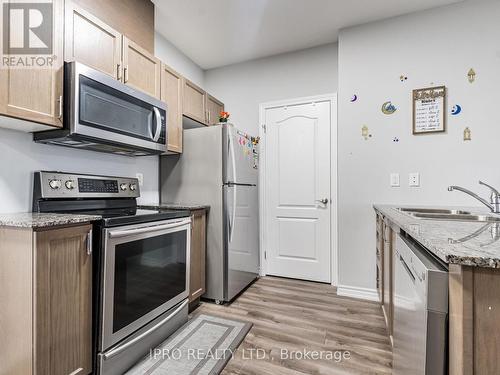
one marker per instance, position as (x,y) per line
(121,217)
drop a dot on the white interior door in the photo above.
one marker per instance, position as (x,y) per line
(297,191)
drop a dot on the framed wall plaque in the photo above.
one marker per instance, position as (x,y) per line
(429,110)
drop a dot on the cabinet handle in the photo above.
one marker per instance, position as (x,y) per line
(89,242)
(125,74)
(60,102)
(118,71)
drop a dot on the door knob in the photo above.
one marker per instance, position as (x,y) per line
(324,200)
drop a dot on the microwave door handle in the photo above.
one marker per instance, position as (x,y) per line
(153,228)
(158,124)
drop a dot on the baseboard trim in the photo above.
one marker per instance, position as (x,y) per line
(357,292)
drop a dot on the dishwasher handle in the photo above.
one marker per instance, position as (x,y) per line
(407,268)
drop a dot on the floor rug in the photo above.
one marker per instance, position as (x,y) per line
(202,346)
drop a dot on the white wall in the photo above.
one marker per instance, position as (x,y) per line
(433,47)
(20,156)
(242,87)
(173,57)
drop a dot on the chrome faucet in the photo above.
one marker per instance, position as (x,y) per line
(494,206)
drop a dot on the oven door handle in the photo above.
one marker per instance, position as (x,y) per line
(114,352)
(153,228)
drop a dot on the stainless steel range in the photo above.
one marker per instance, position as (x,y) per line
(141,263)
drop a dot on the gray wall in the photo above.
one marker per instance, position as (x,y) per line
(435,47)
(242,87)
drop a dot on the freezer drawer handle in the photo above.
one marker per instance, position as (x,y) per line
(154,228)
(119,349)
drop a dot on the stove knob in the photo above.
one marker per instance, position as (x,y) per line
(55,184)
(123,187)
(133,187)
(70,184)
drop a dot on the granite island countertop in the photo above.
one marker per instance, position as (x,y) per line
(175,206)
(42,220)
(474,244)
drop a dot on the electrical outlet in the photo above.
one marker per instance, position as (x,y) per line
(414,179)
(394,179)
(140,177)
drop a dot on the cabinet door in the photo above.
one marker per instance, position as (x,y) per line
(388,249)
(91,41)
(63,301)
(141,69)
(35,94)
(171,93)
(214,108)
(198,254)
(194,102)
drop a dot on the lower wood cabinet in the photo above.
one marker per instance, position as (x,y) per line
(46,301)
(197,255)
(386,239)
(388,303)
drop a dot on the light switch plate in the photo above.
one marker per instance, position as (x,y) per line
(140,177)
(414,179)
(394,179)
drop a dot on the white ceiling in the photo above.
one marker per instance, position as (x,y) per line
(215,33)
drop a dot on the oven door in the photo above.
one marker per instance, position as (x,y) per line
(106,109)
(145,273)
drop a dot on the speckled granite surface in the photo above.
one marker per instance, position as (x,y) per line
(38,220)
(175,206)
(458,242)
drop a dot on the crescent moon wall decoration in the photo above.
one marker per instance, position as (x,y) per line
(354,98)
(457,108)
(388,108)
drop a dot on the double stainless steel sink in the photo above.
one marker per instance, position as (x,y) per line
(445,214)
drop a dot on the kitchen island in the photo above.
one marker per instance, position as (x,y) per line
(471,249)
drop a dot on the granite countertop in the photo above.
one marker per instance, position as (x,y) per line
(175,206)
(41,220)
(457,242)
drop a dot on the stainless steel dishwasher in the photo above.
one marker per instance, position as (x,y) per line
(420,311)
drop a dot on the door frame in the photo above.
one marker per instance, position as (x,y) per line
(332,98)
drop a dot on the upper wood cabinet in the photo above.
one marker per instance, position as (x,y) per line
(214,108)
(91,41)
(46,294)
(35,94)
(171,93)
(141,69)
(194,102)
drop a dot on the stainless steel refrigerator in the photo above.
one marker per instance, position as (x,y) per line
(219,167)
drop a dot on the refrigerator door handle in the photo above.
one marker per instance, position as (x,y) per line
(233,219)
(232,155)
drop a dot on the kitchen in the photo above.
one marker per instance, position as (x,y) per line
(265,68)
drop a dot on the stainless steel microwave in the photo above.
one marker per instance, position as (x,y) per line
(103,114)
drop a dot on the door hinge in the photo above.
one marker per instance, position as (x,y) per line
(265,254)
(264,128)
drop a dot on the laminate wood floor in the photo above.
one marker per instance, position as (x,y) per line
(296,316)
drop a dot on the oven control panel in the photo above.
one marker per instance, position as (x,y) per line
(69,185)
